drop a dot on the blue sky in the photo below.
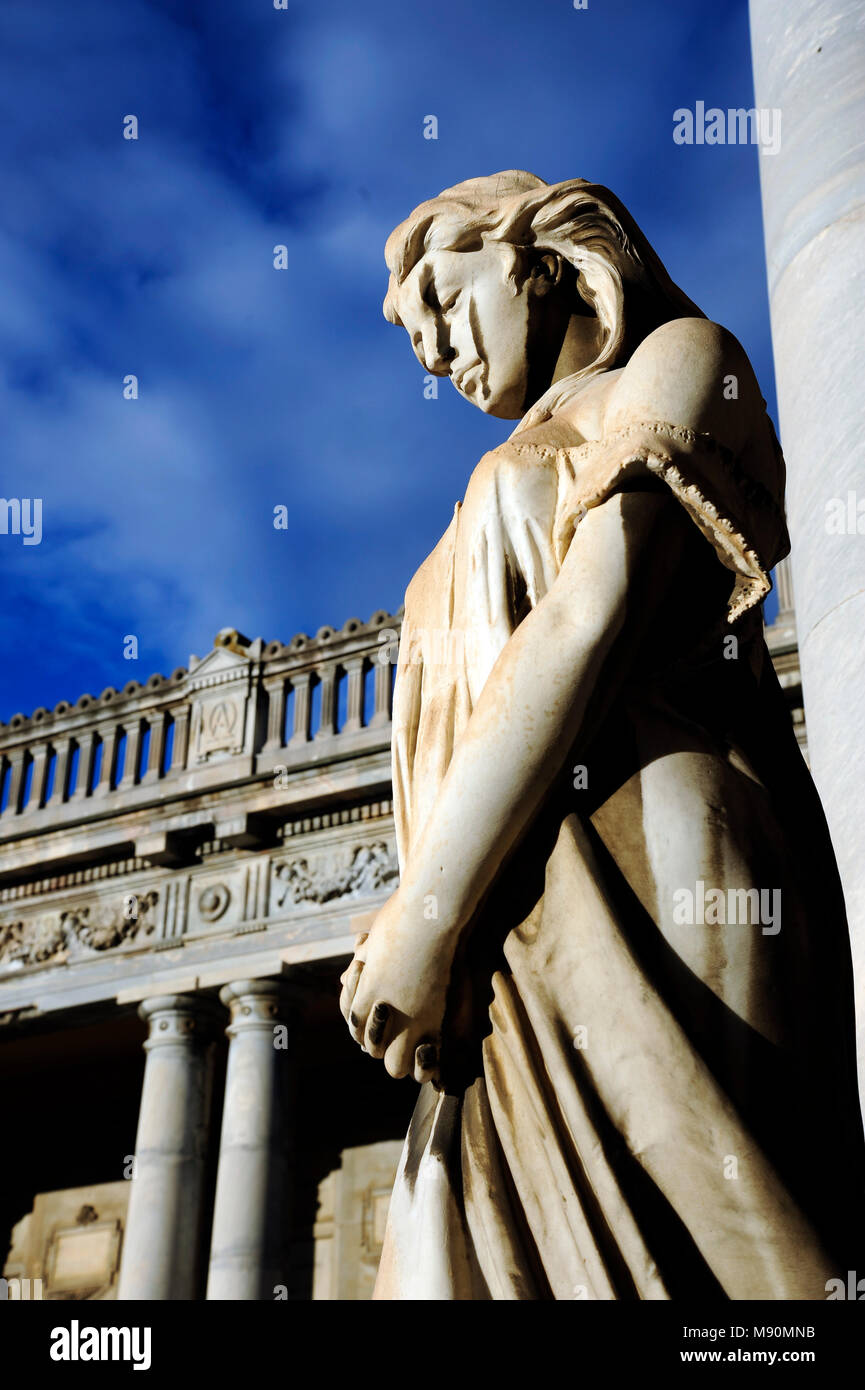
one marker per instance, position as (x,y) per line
(261,387)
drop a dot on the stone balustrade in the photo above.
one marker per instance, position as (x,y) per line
(245,709)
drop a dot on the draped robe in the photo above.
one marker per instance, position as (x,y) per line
(635,1105)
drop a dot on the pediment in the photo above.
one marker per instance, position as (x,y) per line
(220,662)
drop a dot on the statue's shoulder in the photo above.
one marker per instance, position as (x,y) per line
(689,372)
(698,344)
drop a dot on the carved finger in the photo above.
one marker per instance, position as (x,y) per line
(426,1061)
(399,1058)
(350,979)
(376,1028)
(356,1026)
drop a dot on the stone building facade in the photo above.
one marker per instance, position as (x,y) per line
(184,865)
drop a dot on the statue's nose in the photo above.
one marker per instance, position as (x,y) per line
(433,349)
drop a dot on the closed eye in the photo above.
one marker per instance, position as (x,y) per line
(430,298)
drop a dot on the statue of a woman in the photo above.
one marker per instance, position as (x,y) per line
(618,955)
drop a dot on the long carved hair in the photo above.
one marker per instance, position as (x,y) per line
(620,277)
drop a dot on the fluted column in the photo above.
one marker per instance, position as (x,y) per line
(252,1188)
(809,64)
(162,1245)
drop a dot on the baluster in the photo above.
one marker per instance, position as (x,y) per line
(302,685)
(86,753)
(354,666)
(275,714)
(383,688)
(39,754)
(157,723)
(327,723)
(61,770)
(16,781)
(133,747)
(106,770)
(181,739)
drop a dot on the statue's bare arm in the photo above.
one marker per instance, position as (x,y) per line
(527,718)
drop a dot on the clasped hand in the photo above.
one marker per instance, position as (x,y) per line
(394,992)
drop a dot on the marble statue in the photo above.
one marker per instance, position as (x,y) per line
(617,958)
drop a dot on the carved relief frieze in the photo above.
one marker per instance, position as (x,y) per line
(101,924)
(328,877)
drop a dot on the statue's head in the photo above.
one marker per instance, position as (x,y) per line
(509,285)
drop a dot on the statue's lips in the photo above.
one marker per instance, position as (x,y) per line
(460,378)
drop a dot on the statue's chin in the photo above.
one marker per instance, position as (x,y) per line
(499,411)
(502,407)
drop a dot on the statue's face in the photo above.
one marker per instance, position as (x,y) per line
(466,321)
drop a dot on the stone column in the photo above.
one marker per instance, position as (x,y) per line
(252,1186)
(162,1245)
(809,63)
